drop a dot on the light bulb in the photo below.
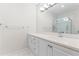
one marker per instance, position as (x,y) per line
(42,8)
(46,6)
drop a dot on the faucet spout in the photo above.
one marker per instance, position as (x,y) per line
(61,34)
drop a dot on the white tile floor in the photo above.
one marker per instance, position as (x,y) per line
(22,52)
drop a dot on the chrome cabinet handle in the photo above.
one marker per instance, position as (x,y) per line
(50,46)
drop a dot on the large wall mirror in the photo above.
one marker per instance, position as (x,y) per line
(66,18)
(59,18)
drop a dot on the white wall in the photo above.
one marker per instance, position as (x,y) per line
(74,16)
(16,15)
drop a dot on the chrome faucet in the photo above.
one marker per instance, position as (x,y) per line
(61,34)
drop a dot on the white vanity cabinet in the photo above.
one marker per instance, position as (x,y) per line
(58,50)
(38,46)
(42,47)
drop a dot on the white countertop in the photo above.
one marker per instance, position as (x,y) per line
(70,43)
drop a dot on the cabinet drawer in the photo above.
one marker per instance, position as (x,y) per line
(66,50)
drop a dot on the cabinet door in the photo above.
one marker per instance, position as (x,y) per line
(57,52)
(50,49)
(31,44)
(63,51)
(43,47)
(36,46)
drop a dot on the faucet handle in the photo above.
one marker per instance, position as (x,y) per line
(61,32)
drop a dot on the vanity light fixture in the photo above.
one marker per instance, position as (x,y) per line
(46,6)
(52,4)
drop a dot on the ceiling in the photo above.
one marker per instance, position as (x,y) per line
(59,9)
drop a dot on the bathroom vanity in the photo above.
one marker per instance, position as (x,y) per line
(50,44)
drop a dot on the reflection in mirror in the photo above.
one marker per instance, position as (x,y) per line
(63,25)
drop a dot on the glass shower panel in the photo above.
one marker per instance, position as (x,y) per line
(63,25)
